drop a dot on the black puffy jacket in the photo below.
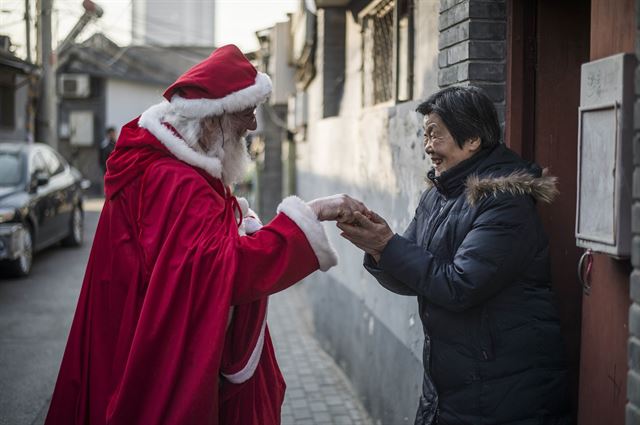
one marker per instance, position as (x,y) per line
(477,258)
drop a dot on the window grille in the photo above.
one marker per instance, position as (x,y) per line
(378,53)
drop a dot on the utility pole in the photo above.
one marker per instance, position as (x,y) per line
(27,21)
(48,105)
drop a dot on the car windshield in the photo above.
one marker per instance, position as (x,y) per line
(10,168)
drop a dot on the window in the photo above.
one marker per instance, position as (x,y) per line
(404,57)
(387,32)
(10,169)
(7,100)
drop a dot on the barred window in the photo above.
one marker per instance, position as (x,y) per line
(378,53)
(387,30)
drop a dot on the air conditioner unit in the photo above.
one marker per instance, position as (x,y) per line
(74,85)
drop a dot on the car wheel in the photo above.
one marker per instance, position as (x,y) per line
(76,228)
(21,266)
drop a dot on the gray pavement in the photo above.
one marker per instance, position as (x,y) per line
(36,313)
(318,393)
(35,317)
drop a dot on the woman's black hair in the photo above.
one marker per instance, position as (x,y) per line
(467,112)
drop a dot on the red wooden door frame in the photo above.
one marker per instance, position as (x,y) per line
(540,133)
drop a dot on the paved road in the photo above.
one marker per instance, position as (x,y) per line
(318,393)
(36,313)
(35,316)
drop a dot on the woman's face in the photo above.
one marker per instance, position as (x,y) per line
(442,148)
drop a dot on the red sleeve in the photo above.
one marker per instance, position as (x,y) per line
(272,259)
(289,248)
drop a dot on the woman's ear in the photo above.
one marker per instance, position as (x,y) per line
(473,145)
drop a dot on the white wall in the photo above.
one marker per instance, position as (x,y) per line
(375,154)
(125,100)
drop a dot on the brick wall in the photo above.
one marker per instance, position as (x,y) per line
(633,377)
(472,46)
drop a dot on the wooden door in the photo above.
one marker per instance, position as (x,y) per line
(605,312)
(548,42)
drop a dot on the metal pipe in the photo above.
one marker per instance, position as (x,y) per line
(27,21)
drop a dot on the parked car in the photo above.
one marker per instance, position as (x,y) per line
(41,203)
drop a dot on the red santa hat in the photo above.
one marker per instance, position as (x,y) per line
(224,82)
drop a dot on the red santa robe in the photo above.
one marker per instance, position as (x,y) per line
(149,340)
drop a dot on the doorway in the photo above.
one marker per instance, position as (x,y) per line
(548,41)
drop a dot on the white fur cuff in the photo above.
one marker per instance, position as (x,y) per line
(151,119)
(301,214)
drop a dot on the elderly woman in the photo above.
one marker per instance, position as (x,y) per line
(477,258)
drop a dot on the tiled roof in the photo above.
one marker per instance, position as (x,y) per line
(100,56)
(12,61)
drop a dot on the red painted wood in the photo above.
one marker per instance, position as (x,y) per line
(605,313)
(613,27)
(562,47)
(603,368)
(520,92)
(568,34)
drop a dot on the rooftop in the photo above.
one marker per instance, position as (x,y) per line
(100,56)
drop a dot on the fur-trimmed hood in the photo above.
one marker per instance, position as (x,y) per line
(542,188)
(492,172)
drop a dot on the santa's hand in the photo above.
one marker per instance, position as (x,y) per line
(337,207)
(250,221)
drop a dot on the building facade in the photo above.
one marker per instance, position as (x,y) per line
(170,23)
(362,67)
(356,132)
(18,79)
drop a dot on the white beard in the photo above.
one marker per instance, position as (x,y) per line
(226,145)
(231,148)
(235,160)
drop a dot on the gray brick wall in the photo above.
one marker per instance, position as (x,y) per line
(472,46)
(633,377)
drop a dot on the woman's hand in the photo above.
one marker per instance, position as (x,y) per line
(337,207)
(369,234)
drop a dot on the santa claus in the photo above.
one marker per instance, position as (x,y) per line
(170,327)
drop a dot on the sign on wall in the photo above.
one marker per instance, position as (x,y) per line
(81,128)
(604,155)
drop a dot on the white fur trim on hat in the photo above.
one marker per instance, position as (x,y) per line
(234,102)
(151,119)
(301,214)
